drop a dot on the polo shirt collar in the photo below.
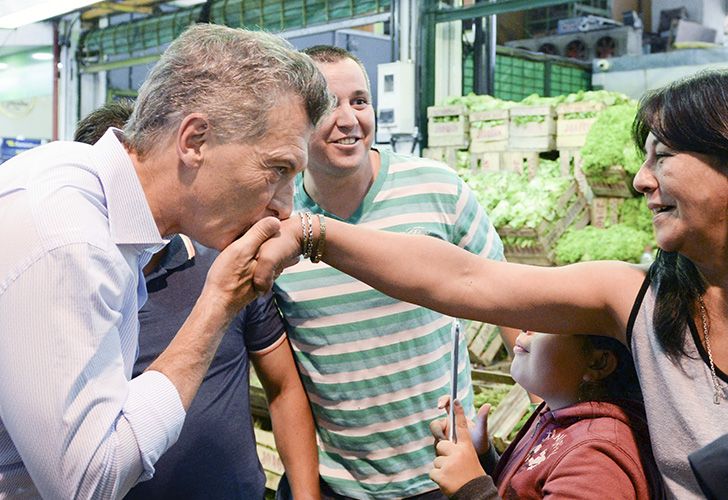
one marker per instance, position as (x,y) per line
(130,218)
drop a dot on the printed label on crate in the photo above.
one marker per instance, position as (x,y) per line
(574,127)
(497,133)
(446,128)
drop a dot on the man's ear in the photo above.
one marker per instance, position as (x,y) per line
(601,364)
(192,135)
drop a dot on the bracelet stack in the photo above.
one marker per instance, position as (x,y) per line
(313,247)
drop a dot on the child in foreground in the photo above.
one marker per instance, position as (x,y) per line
(588,439)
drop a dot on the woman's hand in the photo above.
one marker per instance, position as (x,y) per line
(279,252)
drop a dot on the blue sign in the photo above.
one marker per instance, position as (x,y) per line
(10,147)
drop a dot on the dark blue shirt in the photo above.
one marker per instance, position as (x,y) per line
(215,455)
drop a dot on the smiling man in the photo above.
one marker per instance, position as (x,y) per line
(219,132)
(374,367)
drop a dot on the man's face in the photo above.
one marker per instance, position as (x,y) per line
(343,138)
(239,184)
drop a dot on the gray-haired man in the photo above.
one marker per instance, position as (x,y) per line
(197,157)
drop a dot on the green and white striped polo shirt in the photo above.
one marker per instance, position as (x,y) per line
(373,366)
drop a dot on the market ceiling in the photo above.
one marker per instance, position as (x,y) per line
(106,8)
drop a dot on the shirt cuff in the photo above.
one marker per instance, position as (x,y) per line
(155,413)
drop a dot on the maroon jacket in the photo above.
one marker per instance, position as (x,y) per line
(587,450)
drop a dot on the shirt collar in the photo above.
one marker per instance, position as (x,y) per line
(178,252)
(130,218)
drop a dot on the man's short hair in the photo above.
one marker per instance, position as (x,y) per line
(94,125)
(332,54)
(233,76)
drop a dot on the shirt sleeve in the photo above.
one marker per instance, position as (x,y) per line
(480,488)
(473,230)
(260,323)
(81,428)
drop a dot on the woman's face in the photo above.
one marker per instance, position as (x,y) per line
(688,198)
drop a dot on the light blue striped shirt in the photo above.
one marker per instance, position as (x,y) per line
(76,231)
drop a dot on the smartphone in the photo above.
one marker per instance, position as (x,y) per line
(455,356)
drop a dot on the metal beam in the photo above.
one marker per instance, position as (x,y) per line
(487,9)
(337,25)
(425,58)
(123,63)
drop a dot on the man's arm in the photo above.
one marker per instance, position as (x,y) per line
(228,288)
(290,413)
(291,417)
(80,426)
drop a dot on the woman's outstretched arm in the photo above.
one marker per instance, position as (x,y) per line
(586,298)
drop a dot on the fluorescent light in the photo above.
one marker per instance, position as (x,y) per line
(42,56)
(19,13)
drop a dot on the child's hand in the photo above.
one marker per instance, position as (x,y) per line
(456,463)
(478,429)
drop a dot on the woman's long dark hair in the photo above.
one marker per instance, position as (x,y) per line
(690,115)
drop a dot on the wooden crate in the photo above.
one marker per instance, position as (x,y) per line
(511,161)
(544,238)
(614,182)
(490,138)
(270,460)
(507,415)
(521,161)
(533,136)
(484,342)
(604,211)
(488,146)
(445,154)
(572,132)
(486,161)
(570,160)
(447,133)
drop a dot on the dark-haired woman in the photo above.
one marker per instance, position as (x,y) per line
(588,439)
(673,317)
